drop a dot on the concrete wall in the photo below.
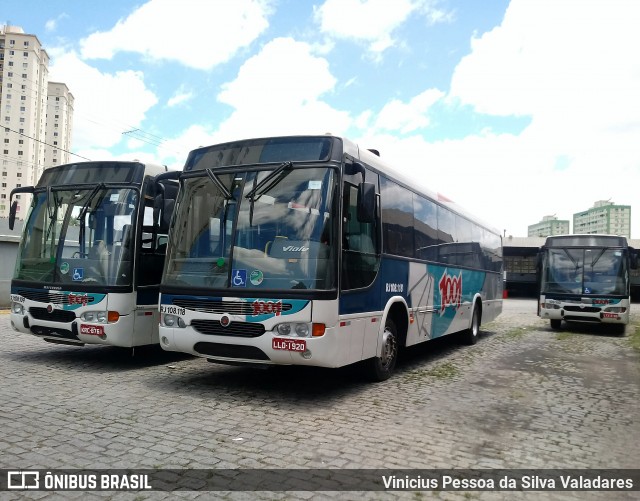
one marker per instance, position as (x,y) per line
(8,254)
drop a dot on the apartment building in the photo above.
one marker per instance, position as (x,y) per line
(26,116)
(604,217)
(550,225)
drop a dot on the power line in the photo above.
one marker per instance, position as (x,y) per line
(47,144)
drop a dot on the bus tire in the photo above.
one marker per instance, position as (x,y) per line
(470,336)
(556,324)
(619,329)
(380,368)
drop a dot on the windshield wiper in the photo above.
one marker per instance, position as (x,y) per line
(594,261)
(216,180)
(85,207)
(272,179)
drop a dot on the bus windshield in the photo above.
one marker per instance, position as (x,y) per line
(255,230)
(585,271)
(79,235)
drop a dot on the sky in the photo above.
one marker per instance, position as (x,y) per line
(514,109)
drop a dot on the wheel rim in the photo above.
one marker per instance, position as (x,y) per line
(389,349)
(475,324)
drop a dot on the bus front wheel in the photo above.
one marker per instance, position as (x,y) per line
(380,368)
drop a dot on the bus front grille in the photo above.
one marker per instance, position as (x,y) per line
(583,309)
(235,329)
(54,316)
(575,318)
(230,351)
(216,306)
(50,297)
(40,330)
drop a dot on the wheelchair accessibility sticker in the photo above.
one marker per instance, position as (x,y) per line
(78,274)
(238,278)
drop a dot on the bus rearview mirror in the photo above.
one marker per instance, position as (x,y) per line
(366,202)
(12,214)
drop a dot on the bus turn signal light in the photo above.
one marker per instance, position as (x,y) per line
(318,330)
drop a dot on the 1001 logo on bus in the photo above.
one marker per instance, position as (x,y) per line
(267,308)
(450,290)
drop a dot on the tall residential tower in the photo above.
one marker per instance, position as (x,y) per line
(35,115)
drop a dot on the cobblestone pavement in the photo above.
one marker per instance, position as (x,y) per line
(523,397)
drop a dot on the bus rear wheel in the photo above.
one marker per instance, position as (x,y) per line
(380,368)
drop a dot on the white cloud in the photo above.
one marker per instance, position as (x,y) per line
(106,105)
(573,67)
(372,21)
(278,91)
(198,34)
(52,24)
(181,96)
(407,117)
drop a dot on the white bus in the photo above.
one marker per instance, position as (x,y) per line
(91,255)
(309,250)
(586,278)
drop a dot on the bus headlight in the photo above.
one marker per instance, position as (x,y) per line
(100,317)
(616,309)
(299,329)
(17,308)
(168,320)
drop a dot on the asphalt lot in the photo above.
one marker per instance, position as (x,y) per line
(523,397)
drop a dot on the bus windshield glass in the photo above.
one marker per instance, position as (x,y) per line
(585,271)
(79,236)
(278,236)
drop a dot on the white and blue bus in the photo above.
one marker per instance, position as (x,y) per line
(586,278)
(309,250)
(91,254)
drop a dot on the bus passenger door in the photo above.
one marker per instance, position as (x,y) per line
(360,265)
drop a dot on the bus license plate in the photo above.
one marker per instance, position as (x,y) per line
(288,344)
(92,330)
